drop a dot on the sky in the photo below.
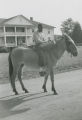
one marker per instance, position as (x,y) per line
(52,12)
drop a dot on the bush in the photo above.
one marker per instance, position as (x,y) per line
(4,50)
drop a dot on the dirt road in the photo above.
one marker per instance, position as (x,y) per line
(36,105)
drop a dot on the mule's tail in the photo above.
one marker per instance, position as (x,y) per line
(10,65)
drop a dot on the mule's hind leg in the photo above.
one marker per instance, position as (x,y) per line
(52,81)
(20,79)
(45,81)
(13,77)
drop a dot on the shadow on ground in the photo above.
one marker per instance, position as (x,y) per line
(7,104)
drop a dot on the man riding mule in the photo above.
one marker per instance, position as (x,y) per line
(40,47)
(20,57)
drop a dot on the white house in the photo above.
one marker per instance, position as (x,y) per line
(18,30)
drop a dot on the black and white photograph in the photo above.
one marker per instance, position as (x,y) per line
(40,60)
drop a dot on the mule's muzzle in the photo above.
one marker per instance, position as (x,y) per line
(75,54)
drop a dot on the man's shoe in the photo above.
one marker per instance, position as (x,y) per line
(42,73)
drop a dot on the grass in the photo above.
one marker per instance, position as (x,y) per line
(66,63)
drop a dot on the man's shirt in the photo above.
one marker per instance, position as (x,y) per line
(38,37)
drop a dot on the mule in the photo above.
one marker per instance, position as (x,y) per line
(20,57)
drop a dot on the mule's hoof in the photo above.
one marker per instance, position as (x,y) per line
(26,91)
(55,93)
(44,88)
(16,93)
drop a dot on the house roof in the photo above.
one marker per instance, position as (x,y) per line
(34,23)
(44,25)
(1,20)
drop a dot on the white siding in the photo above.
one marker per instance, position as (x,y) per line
(2,42)
(47,35)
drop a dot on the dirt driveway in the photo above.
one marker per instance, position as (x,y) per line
(36,105)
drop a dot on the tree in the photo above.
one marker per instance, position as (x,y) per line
(67,26)
(73,29)
(77,33)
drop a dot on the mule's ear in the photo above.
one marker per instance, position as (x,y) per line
(69,38)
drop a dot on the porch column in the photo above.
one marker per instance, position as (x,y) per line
(5,36)
(16,40)
(15,36)
(26,35)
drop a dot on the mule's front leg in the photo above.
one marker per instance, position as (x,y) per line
(15,91)
(52,81)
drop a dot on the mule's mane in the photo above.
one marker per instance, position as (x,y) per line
(56,50)
(59,43)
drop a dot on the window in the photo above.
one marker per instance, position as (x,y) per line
(48,31)
(1,29)
(20,29)
(2,40)
(49,39)
(32,30)
(10,29)
(29,30)
(10,39)
(23,40)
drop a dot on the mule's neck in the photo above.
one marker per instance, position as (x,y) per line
(60,48)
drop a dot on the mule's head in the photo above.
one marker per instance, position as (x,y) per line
(70,45)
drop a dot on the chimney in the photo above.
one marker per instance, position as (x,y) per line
(31,18)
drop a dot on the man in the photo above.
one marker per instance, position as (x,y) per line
(38,39)
(38,35)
